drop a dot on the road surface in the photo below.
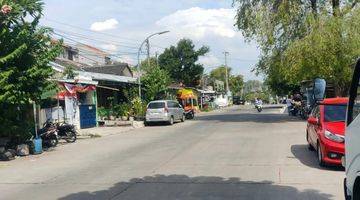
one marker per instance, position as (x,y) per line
(231,154)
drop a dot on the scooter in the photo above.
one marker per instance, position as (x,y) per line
(49,135)
(259,107)
(66,132)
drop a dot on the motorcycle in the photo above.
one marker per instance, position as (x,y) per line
(49,134)
(295,108)
(66,132)
(259,107)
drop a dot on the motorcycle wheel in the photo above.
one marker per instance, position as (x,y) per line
(53,141)
(70,137)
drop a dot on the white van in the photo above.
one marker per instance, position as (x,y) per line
(351,162)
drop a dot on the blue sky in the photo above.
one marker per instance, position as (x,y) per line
(119,26)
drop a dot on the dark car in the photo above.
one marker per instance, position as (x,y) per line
(238,101)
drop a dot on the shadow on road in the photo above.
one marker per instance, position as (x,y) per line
(309,158)
(162,187)
(249,117)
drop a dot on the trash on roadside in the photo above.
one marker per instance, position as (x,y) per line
(22,150)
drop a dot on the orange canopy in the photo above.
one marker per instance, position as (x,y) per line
(186,94)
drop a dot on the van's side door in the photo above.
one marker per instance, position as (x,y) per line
(352,134)
(172,109)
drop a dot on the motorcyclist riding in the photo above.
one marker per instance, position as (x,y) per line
(258,104)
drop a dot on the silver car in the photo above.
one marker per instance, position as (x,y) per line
(164,111)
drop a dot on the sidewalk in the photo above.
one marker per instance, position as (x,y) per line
(107,130)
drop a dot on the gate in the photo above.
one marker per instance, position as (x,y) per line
(87,116)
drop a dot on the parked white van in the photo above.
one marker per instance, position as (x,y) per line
(164,111)
(351,162)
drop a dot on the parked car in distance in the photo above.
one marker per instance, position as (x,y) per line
(164,111)
(325,130)
(238,101)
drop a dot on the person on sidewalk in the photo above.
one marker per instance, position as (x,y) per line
(289,103)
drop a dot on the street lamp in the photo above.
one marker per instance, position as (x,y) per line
(148,55)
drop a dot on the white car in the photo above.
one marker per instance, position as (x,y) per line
(351,162)
(164,111)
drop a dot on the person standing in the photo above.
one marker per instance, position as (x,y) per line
(289,103)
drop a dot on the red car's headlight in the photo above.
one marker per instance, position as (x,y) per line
(334,137)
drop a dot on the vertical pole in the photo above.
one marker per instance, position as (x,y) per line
(58,106)
(35,121)
(148,51)
(157,59)
(226,72)
(139,72)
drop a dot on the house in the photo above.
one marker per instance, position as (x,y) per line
(85,55)
(93,85)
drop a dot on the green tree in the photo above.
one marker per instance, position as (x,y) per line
(279,27)
(145,64)
(220,73)
(69,72)
(155,82)
(181,62)
(236,84)
(25,52)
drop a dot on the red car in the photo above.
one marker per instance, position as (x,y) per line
(325,130)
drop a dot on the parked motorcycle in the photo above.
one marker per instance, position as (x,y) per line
(66,132)
(49,134)
(295,108)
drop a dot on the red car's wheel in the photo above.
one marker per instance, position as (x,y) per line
(310,147)
(320,156)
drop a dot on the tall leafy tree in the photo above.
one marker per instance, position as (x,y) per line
(220,73)
(180,62)
(25,52)
(280,25)
(236,84)
(155,82)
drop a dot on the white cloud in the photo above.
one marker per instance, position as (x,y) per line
(198,22)
(108,24)
(209,61)
(110,47)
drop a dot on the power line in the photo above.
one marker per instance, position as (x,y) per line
(93,39)
(133,41)
(105,51)
(231,58)
(88,30)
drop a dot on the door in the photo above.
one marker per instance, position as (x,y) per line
(352,133)
(312,130)
(180,110)
(87,116)
(174,109)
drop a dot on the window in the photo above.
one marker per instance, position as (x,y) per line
(334,113)
(354,100)
(172,104)
(356,106)
(156,105)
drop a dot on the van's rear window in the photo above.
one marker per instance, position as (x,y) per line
(156,105)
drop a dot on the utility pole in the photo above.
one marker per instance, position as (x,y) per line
(148,51)
(157,58)
(226,73)
(138,56)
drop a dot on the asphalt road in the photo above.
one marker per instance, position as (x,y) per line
(233,154)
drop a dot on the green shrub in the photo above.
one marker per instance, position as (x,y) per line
(103,112)
(121,110)
(138,107)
